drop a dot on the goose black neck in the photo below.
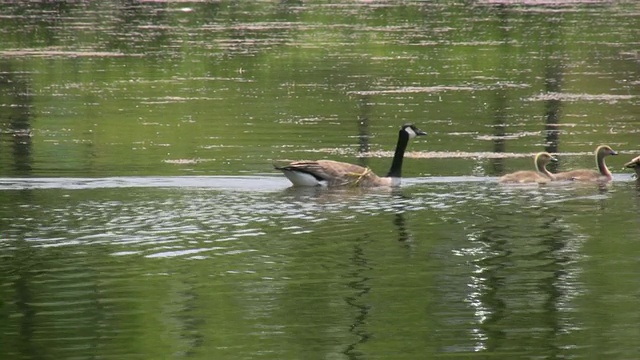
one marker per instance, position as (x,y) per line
(398,156)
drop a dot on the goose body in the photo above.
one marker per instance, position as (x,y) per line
(541,175)
(336,173)
(333,173)
(602,174)
(634,164)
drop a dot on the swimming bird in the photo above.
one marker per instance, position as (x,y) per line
(634,164)
(603,173)
(540,176)
(336,173)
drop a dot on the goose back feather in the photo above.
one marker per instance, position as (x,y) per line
(331,173)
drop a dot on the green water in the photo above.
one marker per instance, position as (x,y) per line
(140,217)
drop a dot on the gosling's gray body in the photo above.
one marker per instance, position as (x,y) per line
(602,174)
(634,164)
(541,175)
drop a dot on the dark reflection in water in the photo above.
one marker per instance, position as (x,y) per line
(361,288)
(141,26)
(522,268)
(209,270)
(553,57)
(361,269)
(40,22)
(501,95)
(24,300)
(364,132)
(16,116)
(399,205)
(183,308)
(59,305)
(399,222)
(499,130)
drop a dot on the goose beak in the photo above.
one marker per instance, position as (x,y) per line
(420,132)
(613,152)
(554,159)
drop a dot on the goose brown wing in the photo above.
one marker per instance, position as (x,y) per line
(334,172)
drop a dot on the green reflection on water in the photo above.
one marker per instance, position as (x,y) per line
(463,269)
(433,269)
(224,89)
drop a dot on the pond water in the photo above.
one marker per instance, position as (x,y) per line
(141,218)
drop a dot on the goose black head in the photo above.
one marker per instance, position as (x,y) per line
(412,130)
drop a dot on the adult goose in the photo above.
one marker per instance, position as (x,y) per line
(602,174)
(335,173)
(540,176)
(634,164)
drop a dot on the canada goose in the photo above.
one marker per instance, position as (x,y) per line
(540,176)
(603,173)
(634,164)
(335,173)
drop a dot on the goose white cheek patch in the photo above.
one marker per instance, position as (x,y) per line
(410,131)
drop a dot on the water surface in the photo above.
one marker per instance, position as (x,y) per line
(141,218)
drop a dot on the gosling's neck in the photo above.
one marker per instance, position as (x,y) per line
(602,167)
(541,167)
